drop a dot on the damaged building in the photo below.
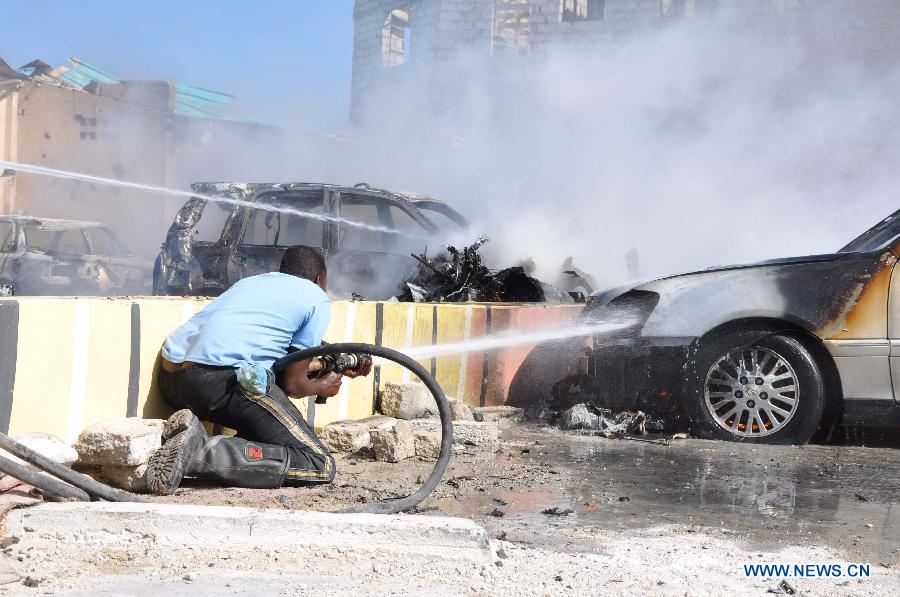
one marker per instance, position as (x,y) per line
(421,44)
(79,118)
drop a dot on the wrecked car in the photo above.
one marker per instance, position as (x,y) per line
(47,256)
(769,352)
(366,235)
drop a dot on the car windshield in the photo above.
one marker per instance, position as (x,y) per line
(877,236)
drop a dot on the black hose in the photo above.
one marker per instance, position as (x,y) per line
(94,489)
(410,501)
(43,482)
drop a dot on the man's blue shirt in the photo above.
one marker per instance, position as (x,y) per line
(254,321)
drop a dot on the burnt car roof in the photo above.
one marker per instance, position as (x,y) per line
(52,223)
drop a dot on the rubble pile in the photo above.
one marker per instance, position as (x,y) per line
(586,417)
(409,426)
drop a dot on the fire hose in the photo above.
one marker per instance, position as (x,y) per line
(70,484)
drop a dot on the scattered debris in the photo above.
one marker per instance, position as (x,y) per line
(557,511)
(783,588)
(31,581)
(501,414)
(587,417)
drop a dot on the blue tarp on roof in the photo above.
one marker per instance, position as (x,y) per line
(82,74)
(190,100)
(196,101)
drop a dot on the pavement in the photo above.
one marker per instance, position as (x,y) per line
(667,518)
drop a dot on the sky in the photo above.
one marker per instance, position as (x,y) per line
(262,52)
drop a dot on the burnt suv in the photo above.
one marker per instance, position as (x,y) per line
(48,256)
(230,231)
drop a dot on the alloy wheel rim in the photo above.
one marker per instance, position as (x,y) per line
(751,392)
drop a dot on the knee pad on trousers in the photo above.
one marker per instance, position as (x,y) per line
(237,462)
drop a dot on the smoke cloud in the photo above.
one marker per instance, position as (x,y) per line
(704,143)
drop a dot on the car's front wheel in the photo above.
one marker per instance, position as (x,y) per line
(756,388)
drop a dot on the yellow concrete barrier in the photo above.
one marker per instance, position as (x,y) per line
(68,362)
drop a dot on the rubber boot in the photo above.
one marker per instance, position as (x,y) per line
(236,462)
(183,436)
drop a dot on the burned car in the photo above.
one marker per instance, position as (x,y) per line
(769,352)
(47,256)
(233,230)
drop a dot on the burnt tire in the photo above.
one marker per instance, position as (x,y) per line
(756,388)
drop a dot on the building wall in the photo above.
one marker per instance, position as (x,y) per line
(93,134)
(9,100)
(442,31)
(66,363)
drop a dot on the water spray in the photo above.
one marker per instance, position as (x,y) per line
(508,339)
(64,174)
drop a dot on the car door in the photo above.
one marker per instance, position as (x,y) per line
(265,234)
(53,262)
(373,262)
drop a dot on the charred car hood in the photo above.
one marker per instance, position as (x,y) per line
(767,262)
(817,292)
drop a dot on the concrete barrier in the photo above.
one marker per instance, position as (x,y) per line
(68,362)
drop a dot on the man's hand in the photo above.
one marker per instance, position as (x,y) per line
(361,372)
(326,386)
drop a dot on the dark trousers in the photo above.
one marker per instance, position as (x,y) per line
(214,394)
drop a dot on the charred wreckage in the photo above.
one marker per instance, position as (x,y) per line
(775,352)
(374,241)
(66,257)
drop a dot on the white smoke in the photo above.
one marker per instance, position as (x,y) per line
(699,144)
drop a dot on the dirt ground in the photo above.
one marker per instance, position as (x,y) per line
(568,514)
(841,497)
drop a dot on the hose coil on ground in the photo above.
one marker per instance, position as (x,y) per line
(410,501)
(71,484)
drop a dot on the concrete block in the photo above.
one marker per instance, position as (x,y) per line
(407,400)
(460,410)
(49,446)
(393,444)
(483,435)
(427,443)
(502,415)
(129,478)
(345,436)
(352,436)
(377,422)
(119,442)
